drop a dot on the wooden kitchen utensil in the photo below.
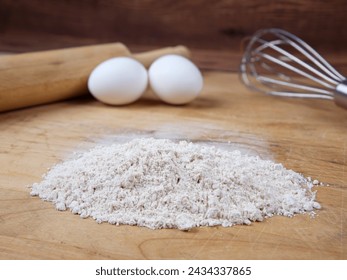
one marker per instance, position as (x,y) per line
(43,77)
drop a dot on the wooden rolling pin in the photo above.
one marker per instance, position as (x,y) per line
(43,77)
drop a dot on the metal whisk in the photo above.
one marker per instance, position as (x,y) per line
(277,62)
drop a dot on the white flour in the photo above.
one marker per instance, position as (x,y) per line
(163,184)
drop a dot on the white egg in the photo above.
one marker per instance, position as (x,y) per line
(118,81)
(175,79)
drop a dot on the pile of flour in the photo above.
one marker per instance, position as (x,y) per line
(158,183)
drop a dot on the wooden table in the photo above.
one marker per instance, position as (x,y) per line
(308,136)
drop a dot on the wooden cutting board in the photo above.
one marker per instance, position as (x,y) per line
(308,136)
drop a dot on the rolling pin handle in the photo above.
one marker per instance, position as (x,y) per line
(147,58)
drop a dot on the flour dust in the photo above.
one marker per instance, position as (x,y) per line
(158,183)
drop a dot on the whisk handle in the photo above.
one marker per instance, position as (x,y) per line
(340,95)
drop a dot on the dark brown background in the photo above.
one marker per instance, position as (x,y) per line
(214,29)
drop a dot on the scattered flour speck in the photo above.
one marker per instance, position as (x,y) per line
(158,183)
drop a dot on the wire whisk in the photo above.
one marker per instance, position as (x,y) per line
(277,62)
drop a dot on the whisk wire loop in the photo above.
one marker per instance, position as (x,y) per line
(315,57)
(279,63)
(297,60)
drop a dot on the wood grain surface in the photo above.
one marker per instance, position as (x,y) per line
(308,136)
(199,24)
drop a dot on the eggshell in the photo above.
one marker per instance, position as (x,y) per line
(118,81)
(175,79)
